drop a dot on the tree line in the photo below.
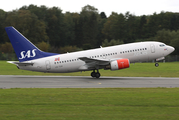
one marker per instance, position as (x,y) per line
(55,31)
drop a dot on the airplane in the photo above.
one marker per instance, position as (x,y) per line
(114,57)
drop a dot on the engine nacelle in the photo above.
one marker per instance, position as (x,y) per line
(120,64)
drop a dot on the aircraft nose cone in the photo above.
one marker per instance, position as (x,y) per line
(171,49)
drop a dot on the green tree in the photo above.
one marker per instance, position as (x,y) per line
(107,43)
(141,30)
(115,27)
(41,11)
(89,17)
(78,30)
(175,22)
(68,49)
(69,21)
(44,46)
(175,41)
(108,26)
(170,38)
(2,20)
(6,48)
(28,24)
(152,26)
(102,20)
(103,15)
(164,36)
(131,28)
(55,29)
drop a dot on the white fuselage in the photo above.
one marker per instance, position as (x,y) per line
(70,62)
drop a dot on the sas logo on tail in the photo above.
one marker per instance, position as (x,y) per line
(28,54)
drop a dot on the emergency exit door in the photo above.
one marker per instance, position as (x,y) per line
(152,47)
(48,67)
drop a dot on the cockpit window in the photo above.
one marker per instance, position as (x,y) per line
(162,45)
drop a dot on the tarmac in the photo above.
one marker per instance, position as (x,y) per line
(22,81)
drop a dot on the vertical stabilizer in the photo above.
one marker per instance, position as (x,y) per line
(24,49)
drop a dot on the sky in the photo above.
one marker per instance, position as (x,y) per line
(135,7)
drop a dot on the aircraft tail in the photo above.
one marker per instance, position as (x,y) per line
(24,49)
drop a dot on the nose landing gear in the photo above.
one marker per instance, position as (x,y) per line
(156,64)
(95,74)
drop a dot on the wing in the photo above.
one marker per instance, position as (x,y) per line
(91,64)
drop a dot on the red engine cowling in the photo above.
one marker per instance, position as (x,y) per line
(120,64)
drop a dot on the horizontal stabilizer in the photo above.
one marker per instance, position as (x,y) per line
(20,63)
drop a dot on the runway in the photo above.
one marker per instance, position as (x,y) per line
(10,81)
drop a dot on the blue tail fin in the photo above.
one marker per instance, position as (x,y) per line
(24,49)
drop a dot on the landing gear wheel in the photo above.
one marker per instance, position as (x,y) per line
(93,74)
(98,75)
(156,64)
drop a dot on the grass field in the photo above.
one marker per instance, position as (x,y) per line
(93,103)
(90,104)
(135,70)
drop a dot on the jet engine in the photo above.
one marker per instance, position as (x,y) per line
(119,64)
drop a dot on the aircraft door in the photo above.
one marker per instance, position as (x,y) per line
(48,67)
(152,47)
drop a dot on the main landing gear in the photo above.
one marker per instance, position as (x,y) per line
(95,74)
